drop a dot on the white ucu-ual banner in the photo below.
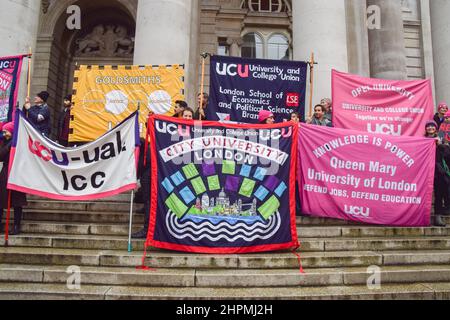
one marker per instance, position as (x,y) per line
(100,169)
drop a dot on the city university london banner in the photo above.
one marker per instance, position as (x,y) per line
(105,96)
(240,88)
(10,68)
(363,177)
(100,169)
(222,188)
(381,106)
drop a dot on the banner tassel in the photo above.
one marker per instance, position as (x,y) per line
(143,266)
(299,259)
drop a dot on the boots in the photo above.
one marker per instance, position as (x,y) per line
(17,221)
(439,222)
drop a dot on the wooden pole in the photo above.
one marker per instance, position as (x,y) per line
(29,73)
(311,79)
(202,85)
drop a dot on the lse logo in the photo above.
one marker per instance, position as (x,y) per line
(292,100)
(232,70)
(357,211)
(387,129)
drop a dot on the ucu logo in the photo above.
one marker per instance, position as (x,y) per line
(357,211)
(387,129)
(173,129)
(232,70)
(39,150)
(7,64)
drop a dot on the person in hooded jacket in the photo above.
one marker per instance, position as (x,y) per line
(18,199)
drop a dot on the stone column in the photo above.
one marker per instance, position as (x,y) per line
(440,27)
(387,45)
(18,31)
(358,38)
(319,26)
(167,33)
(235,46)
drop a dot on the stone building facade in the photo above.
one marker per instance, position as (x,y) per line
(413,42)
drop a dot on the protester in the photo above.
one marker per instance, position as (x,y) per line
(180,106)
(202,106)
(144,173)
(188,114)
(39,114)
(328,104)
(319,118)
(439,117)
(295,116)
(441,176)
(266,117)
(18,199)
(64,122)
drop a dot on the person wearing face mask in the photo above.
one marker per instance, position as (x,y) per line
(39,113)
(18,199)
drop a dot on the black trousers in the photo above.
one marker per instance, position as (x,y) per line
(441,194)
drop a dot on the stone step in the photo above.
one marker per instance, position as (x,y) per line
(165,260)
(311,229)
(107,229)
(38,291)
(222,278)
(96,206)
(102,242)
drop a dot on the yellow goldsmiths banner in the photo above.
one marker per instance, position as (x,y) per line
(105,96)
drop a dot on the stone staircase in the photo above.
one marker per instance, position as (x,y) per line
(414,263)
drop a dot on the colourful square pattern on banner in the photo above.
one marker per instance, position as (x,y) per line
(232,184)
(208,169)
(247,188)
(261,193)
(214,183)
(269,208)
(281,189)
(168,185)
(178,178)
(187,195)
(190,171)
(260,174)
(246,171)
(228,167)
(271,183)
(176,205)
(198,185)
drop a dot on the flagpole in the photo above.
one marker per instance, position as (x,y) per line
(29,73)
(202,85)
(130,245)
(311,79)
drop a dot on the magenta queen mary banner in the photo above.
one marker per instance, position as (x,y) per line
(367,178)
(10,68)
(222,188)
(398,108)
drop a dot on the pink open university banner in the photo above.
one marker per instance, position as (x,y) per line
(368,178)
(381,106)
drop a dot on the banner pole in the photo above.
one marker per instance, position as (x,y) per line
(8,217)
(202,85)
(29,73)
(130,245)
(311,79)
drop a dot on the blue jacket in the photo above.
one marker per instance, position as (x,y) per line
(43,125)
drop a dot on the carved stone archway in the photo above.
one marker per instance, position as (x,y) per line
(106,37)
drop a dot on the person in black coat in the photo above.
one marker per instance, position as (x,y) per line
(64,122)
(144,172)
(18,199)
(441,175)
(440,116)
(39,114)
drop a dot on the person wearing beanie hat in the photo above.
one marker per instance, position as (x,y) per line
(18,199)
(64,121)
(266,117)
(39,114)
(439,116)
